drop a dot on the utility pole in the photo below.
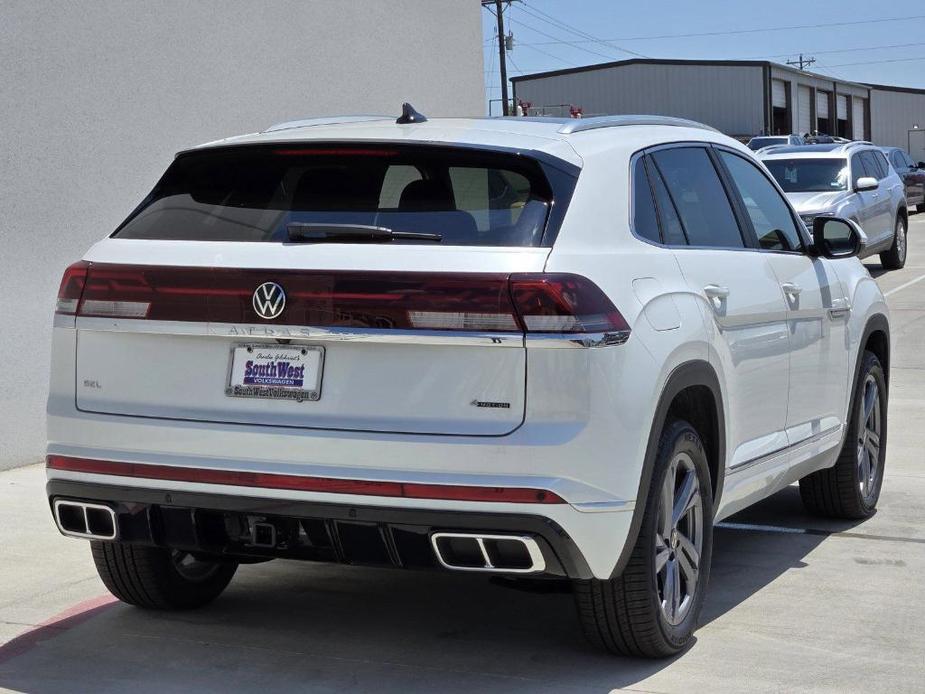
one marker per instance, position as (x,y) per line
(505,106)
(802,62)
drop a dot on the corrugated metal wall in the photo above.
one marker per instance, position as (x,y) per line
(730,98)
(893,114)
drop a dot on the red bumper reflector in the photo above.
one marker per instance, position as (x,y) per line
(268,480)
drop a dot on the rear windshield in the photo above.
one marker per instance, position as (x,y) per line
(757,143)
(253,193)
(809,175)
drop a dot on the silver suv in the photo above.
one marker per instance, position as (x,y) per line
(852,181)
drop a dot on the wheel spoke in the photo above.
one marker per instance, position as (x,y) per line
(870,398)
(686,558)
(873,452)
(864,470)
(873,438)
(661,553)
(667,503)
(688,496)
(675,589)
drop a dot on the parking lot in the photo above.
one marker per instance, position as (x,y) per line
(795,602)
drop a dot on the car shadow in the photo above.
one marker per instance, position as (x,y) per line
(288,625)
(875,269)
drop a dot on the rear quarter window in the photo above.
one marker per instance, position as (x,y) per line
(253,194)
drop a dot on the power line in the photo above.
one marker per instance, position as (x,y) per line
(549,19)
(573,44)
(838,50)
(730,32)
(877,62)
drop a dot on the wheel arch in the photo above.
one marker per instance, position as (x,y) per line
(691,391)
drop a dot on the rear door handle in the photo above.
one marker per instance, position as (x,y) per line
(791,289)
(714,291)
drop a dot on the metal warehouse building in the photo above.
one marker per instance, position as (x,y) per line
(741,98)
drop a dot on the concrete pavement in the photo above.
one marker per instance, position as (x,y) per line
(827,607)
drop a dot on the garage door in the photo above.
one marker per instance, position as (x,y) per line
(778,94)
(822,105)
(842,102)
(804,96)
(857,117)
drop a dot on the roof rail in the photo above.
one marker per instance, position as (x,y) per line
(327,120)
(581,124)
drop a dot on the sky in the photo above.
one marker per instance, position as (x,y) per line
(882,42)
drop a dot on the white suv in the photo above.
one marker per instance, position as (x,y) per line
(547,349)
(853,181)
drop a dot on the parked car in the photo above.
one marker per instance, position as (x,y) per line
(760,141)
(912,175)
(553,350)
(850,180)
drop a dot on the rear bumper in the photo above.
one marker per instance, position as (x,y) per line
(344,533)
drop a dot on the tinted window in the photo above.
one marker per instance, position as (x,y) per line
(858,170)
(896,157)
(645,222)
(805,175)
(672,231)
(883,167)
(874,165)
(769,214)
(255,193)
(698,197)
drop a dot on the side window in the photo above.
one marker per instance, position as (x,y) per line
(645,222)
(907,160)
(672,231)
(698,196)
(896,158)
(769,213)
(881,164)
(875,167)
(858,170)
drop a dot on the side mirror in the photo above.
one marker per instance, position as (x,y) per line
(834,237)
(866,183)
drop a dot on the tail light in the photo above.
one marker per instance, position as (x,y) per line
(562,303)
(489,302)
(72,285)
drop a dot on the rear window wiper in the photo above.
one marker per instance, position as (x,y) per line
(302,232)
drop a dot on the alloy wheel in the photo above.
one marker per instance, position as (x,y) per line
(869,432)
(901,240)
(678,539)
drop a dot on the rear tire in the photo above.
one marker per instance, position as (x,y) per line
(895,258)
(158,578)
(652,608)
(851,488)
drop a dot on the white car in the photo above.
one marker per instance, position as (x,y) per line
(546,349)
(852,181)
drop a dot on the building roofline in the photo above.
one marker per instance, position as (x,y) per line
(891,88)
(638,61)
(678,61)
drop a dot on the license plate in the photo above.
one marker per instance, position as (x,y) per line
(276,372)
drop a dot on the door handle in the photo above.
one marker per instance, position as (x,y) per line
(714,291)
(791,289)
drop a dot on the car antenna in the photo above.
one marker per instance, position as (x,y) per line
(409,115)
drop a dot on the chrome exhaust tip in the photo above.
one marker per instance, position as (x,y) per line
(85,520)
(518,554)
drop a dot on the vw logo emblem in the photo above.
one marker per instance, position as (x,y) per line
(269,300)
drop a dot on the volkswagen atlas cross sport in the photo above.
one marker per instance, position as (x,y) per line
(852,181)
(537,348)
